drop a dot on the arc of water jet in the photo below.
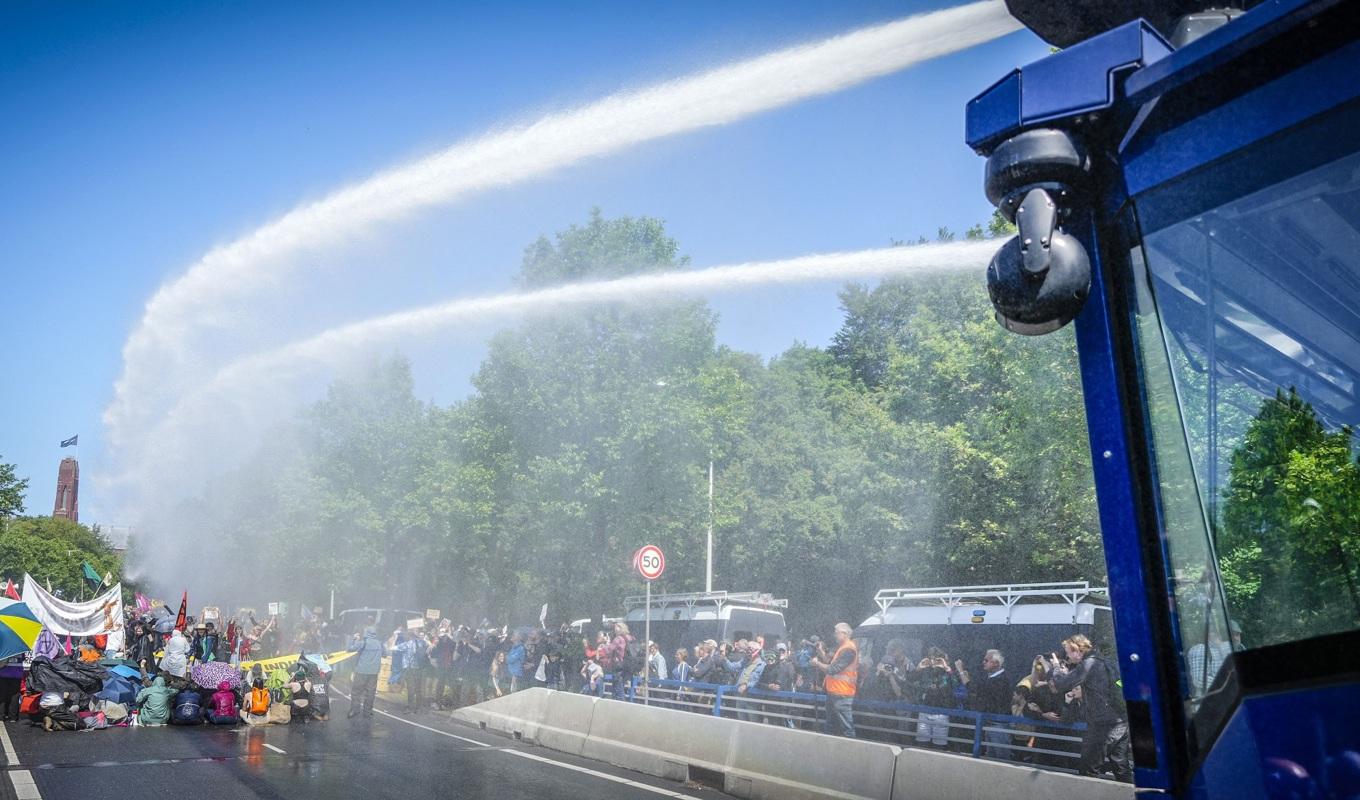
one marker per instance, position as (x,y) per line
(159,352)
(333,347)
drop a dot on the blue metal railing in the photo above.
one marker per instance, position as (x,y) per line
(1051,744)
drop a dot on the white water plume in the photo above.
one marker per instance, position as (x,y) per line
(227,414)
(165,353)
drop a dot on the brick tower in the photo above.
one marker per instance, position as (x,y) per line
(68,490)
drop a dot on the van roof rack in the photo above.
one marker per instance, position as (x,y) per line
(1008,594)
(720,599)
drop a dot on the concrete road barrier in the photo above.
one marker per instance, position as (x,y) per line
(516,715)
(658,741)
(931,775)
(765,761)
(566,722)
(771,762)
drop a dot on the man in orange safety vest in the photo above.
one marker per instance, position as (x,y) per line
(842,676)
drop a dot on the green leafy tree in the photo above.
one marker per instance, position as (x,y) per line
(12,490)
(1290,540)
(54,549)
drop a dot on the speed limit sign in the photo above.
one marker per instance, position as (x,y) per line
(650,562)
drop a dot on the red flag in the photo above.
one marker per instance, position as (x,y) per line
(10,591)
(182,618)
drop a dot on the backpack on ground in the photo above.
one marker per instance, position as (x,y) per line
(635,657)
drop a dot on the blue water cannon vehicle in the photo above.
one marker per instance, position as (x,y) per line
(1185,180)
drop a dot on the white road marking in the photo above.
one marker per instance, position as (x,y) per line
(20,779)
(418,725)
(10,757)
(24,787)
(533,757)
(275,749)
(604,775)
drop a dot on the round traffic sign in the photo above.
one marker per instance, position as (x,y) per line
(650,562)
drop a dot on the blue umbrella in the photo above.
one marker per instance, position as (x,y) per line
(126,671)
(19,629)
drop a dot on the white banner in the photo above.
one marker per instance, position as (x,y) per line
(103,614)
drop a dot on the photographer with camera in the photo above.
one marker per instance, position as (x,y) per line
(841,682)
(1105,745)
(935,682)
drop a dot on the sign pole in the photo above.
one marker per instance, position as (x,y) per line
(647,662)
(650,563)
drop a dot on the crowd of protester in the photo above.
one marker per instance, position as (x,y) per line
(172,672)
(440,665)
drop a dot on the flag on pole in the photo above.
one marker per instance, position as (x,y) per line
(10,591)
(68,644)
(90,574)
(143,604)
(182,618)
(74,440)
(108,579)
(543,616)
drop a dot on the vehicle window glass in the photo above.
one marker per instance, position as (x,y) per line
(1248,317)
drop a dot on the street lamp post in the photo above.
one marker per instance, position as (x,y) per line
(708,567)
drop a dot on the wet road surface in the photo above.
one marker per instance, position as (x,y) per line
(374,759)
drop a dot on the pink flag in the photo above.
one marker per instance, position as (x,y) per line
(68,644)
(143,604)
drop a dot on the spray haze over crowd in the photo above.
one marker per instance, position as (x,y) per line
(597,404)
(162,355)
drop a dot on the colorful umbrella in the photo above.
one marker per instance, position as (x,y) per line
(210,674)
(19,629)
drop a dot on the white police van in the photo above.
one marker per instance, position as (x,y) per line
(683,620)
(1021,620)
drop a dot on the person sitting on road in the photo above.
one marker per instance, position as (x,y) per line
(255,705)
(222,709)
(153,703)
(188,708)
(301,689)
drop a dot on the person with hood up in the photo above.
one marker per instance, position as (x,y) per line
(366,666)
(154,703)
(222,709)
(176,659)
(188,708)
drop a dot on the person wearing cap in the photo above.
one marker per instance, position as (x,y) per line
(842,678)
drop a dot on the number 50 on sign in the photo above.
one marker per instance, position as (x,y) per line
(649,562)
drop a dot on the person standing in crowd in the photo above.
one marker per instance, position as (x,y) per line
(414,653)
(499,677)
(748,678)
(617,661)
(1203,660)
(445,656)
(842,679)
(935,681)
(682,669)
(591,676)
(656,663)
(781,675)
(514,662)
(1105,745)
(990,694)
(366,666)
(11,678)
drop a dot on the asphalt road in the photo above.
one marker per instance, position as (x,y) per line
(375,759)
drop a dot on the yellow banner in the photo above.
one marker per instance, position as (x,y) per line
(268,664)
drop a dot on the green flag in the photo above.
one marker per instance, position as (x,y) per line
(90,574)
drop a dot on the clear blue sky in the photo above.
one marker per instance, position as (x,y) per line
(136,136)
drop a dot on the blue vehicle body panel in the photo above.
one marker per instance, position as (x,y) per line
(1160,116)
(1078,80)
